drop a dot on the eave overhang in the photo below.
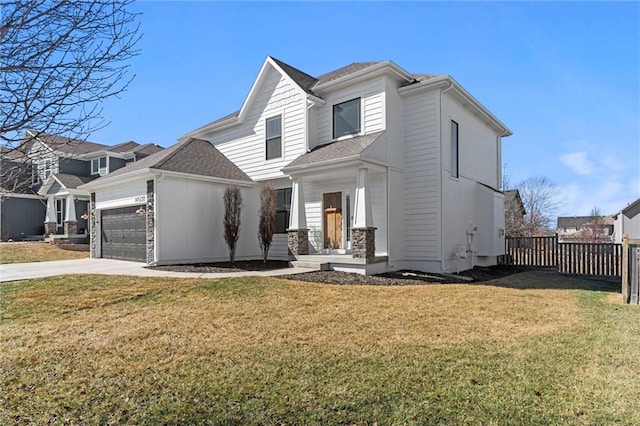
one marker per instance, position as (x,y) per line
(461,95)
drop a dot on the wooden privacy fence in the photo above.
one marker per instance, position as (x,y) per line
(570,258)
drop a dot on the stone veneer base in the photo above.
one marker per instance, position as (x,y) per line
(363,243)
(50,228)
(70,227)
(150,223)
(298,241)
(93,234)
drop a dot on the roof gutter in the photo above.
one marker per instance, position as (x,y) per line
(462,94)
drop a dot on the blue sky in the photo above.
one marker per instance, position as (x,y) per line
(565,77)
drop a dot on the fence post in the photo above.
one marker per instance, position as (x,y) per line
(625,269)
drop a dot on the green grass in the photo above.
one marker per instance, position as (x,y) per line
(36,252)
(94,349)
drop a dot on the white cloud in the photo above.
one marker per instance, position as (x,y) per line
(578,163)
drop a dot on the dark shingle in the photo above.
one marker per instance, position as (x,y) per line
(302,79)
(72,181)
(344,71)
(346,148)
(194,156)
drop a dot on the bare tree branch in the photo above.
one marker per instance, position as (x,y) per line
(59,61)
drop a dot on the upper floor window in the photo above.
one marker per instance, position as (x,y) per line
(273,137)
(454,149)
(97,164)
(46,169)
(346,118)
(283,209)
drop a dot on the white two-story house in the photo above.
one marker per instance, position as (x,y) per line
(376,169)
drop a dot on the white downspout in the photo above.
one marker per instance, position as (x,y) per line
(442,262)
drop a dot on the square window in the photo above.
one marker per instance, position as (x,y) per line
(346,118)
(273,134)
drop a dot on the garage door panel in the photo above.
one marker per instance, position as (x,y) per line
(124,234)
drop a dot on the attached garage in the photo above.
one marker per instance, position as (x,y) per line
(124,234)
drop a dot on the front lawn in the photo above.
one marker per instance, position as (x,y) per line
(36,252)
(97,349)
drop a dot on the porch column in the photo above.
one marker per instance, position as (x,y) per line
(70,220)
(363,233)
(50,224)
(298,234)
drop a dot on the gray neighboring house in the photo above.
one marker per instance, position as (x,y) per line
(627,222)
(21,207)
(40,179)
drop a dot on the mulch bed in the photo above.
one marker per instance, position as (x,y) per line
(237,266)
(396,278)
(399,278)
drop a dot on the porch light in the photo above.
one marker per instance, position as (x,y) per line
(85,216)
(141,211)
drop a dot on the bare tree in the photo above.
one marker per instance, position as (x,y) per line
(59,61)
(541,200)
(594,230)
(267,222)
(232,209)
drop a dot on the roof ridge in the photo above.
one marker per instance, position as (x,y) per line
(170,154)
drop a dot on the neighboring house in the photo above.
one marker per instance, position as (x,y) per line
(375,169)
(585,229)
(21,208)
(627,222)
(51,168)
(514,213)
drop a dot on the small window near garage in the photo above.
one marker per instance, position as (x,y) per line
(283,210)
(454,149)
(273,132)
(346,118)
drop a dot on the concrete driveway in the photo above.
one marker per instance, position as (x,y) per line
(25,271)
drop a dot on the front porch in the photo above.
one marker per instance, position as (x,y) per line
(342,262)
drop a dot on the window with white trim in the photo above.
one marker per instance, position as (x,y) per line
(283,210)
(97,164)
(346,118)
(46,169)
(273,137)
(455,149)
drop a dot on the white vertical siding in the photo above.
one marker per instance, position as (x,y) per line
(245,144)
(372,109)
(422,167)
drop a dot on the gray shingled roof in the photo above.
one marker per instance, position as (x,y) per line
(194,156)
(347,148)
(124,147)
(148,149)
(72,181)
(580,221)
(69,145)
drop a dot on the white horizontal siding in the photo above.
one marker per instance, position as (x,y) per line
(245,144)
(422,166)
(372,95)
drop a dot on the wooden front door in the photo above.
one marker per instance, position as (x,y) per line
(332,205)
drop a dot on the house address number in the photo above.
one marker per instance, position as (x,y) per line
(141,199)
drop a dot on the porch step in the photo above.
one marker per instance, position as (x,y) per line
(309,264)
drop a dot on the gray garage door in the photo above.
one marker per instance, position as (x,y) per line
(124,234)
